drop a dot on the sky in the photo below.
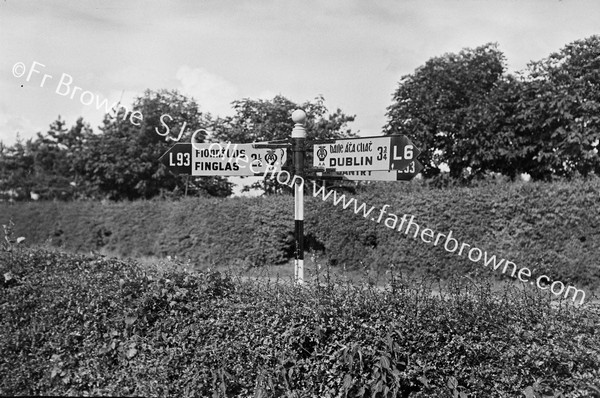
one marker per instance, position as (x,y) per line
(351,52)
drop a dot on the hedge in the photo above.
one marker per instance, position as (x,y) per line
(552,228)
(87,325)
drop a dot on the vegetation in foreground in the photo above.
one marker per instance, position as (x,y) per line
(75,324)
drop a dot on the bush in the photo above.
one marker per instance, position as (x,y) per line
(89,325)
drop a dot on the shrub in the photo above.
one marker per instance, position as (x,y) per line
(90,325)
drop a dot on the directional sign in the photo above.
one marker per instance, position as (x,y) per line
(394,152)
(222,159)
(406,174)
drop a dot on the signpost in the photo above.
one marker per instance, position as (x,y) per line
(385,158)
(392,152)
(222,159)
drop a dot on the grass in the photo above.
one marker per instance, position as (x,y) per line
(318,270)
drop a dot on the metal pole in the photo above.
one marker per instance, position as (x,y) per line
(298,138)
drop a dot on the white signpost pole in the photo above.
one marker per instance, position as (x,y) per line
(298,139)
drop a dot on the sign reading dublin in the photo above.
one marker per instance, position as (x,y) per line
(394,152)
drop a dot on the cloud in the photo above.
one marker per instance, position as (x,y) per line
(11,125)
(94,114)
(135,78)
(213,93)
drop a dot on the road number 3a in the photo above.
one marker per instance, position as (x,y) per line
(382,153)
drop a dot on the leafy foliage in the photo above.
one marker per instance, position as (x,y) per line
(49,166)
(559,112)
(122,162)
(16,166)
(464,111)
(88,325)
(437,105)
(270,120)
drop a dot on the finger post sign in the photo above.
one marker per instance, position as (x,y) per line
(222,159)
(376,153)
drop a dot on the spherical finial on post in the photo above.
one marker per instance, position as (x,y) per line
(298,116)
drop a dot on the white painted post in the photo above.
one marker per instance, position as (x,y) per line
(298,138)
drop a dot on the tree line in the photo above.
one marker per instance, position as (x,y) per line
(121,162)
(463,110)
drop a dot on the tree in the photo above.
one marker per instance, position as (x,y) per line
(270,120)
(122,162)
(464,111)
(57,158)
(559,112)
(16,169)
(440,105)
(46,165)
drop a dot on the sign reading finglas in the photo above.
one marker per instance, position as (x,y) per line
(222,160)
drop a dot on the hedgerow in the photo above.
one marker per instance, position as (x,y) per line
(551,228)
(91,325)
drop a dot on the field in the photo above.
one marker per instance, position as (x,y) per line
(382,315)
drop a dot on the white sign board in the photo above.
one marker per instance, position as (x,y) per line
(222,159)
(361,154)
